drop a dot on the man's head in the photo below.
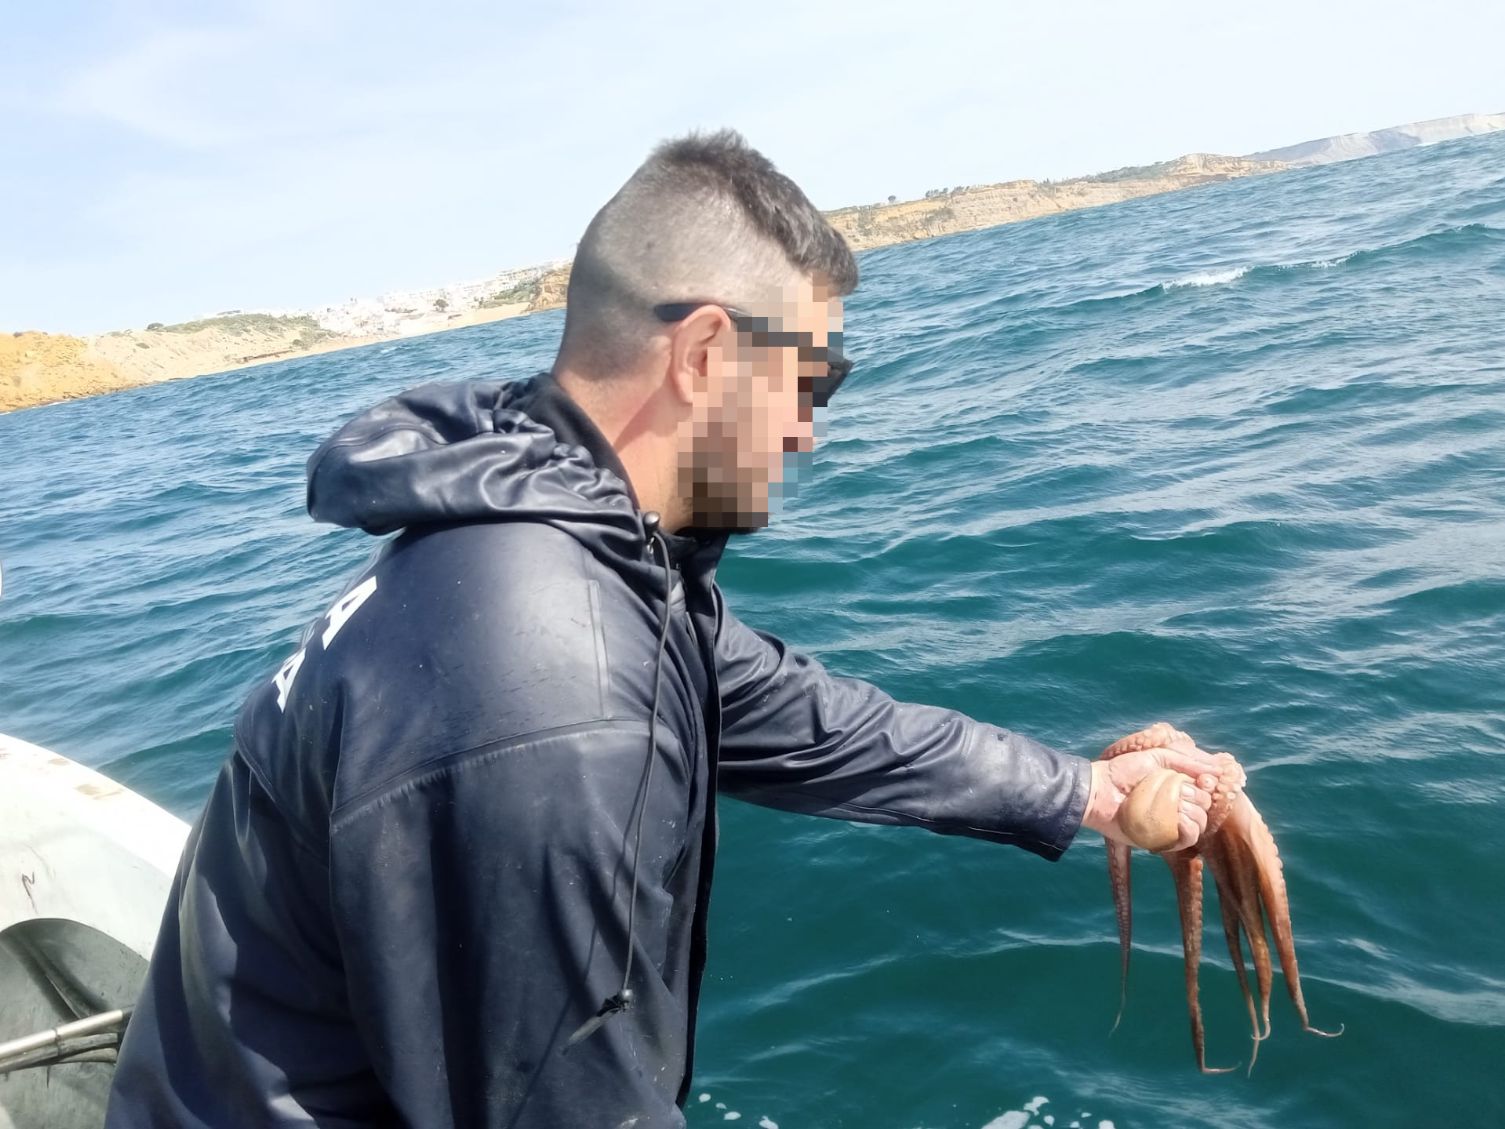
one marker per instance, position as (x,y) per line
(706,296)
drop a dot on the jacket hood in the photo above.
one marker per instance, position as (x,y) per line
(472,452)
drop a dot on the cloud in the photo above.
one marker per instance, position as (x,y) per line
(307,152)
(150,87)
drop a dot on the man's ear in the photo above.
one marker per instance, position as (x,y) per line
(690,348)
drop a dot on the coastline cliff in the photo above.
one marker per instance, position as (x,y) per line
(39,368)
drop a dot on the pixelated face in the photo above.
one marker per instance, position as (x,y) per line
(757,409)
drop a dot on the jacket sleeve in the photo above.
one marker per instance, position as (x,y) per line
(796,737)
(483,907)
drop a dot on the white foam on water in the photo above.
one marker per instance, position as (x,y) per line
(767,1123)
(731,1115)
(1315,264)
(1013,1119)
(1208,278)
(705,1097)
(1021,1118)
(1105,1124)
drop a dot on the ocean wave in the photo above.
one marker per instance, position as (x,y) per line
(1447,240)
(1316,264)
(1225,276)
(1194,281)
(1444,240)
(1259,270)
(1206,278)
(1452,238)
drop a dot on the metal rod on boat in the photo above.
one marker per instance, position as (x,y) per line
(30,1050)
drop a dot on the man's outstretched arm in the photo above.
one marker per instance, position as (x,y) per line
(796,737)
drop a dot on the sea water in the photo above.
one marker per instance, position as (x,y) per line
(1233,457)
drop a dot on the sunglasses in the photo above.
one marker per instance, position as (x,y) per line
(760,333)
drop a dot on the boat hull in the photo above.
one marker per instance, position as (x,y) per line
(85,869)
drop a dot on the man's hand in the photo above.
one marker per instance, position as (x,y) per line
(1115,778)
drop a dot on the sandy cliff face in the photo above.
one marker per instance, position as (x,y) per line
(214,345)
(37,368)
(552,288)
(987,205)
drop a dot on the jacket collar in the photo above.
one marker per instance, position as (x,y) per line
(547,402)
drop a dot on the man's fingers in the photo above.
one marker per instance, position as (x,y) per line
(1189,834)
(1199,794)
(1204,774)
(1197,813)
(1200,765)
(1191,822)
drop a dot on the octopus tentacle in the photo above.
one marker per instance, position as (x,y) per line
(1217,855)
(1151,737)
(1119,855)
(1241,888)
(1226,793)
(1186,870)
(1277,907)
(1161,735)
(1247,870)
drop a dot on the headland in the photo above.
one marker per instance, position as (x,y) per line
(39,368)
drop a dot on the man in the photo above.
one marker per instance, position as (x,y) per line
(455,871)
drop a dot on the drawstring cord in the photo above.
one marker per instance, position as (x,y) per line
(622,1000)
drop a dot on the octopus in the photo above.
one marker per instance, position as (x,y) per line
(1246,868)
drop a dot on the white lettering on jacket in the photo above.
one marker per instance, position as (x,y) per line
(337,616)
(345,607)
(283,679)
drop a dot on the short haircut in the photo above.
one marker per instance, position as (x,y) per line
(704,217)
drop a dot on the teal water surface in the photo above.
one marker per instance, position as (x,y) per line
(1232,457)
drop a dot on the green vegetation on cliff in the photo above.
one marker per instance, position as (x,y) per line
(309,331)
(525,291)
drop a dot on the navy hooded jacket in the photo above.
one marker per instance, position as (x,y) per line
(412,879)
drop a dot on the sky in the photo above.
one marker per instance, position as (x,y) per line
(161,161)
